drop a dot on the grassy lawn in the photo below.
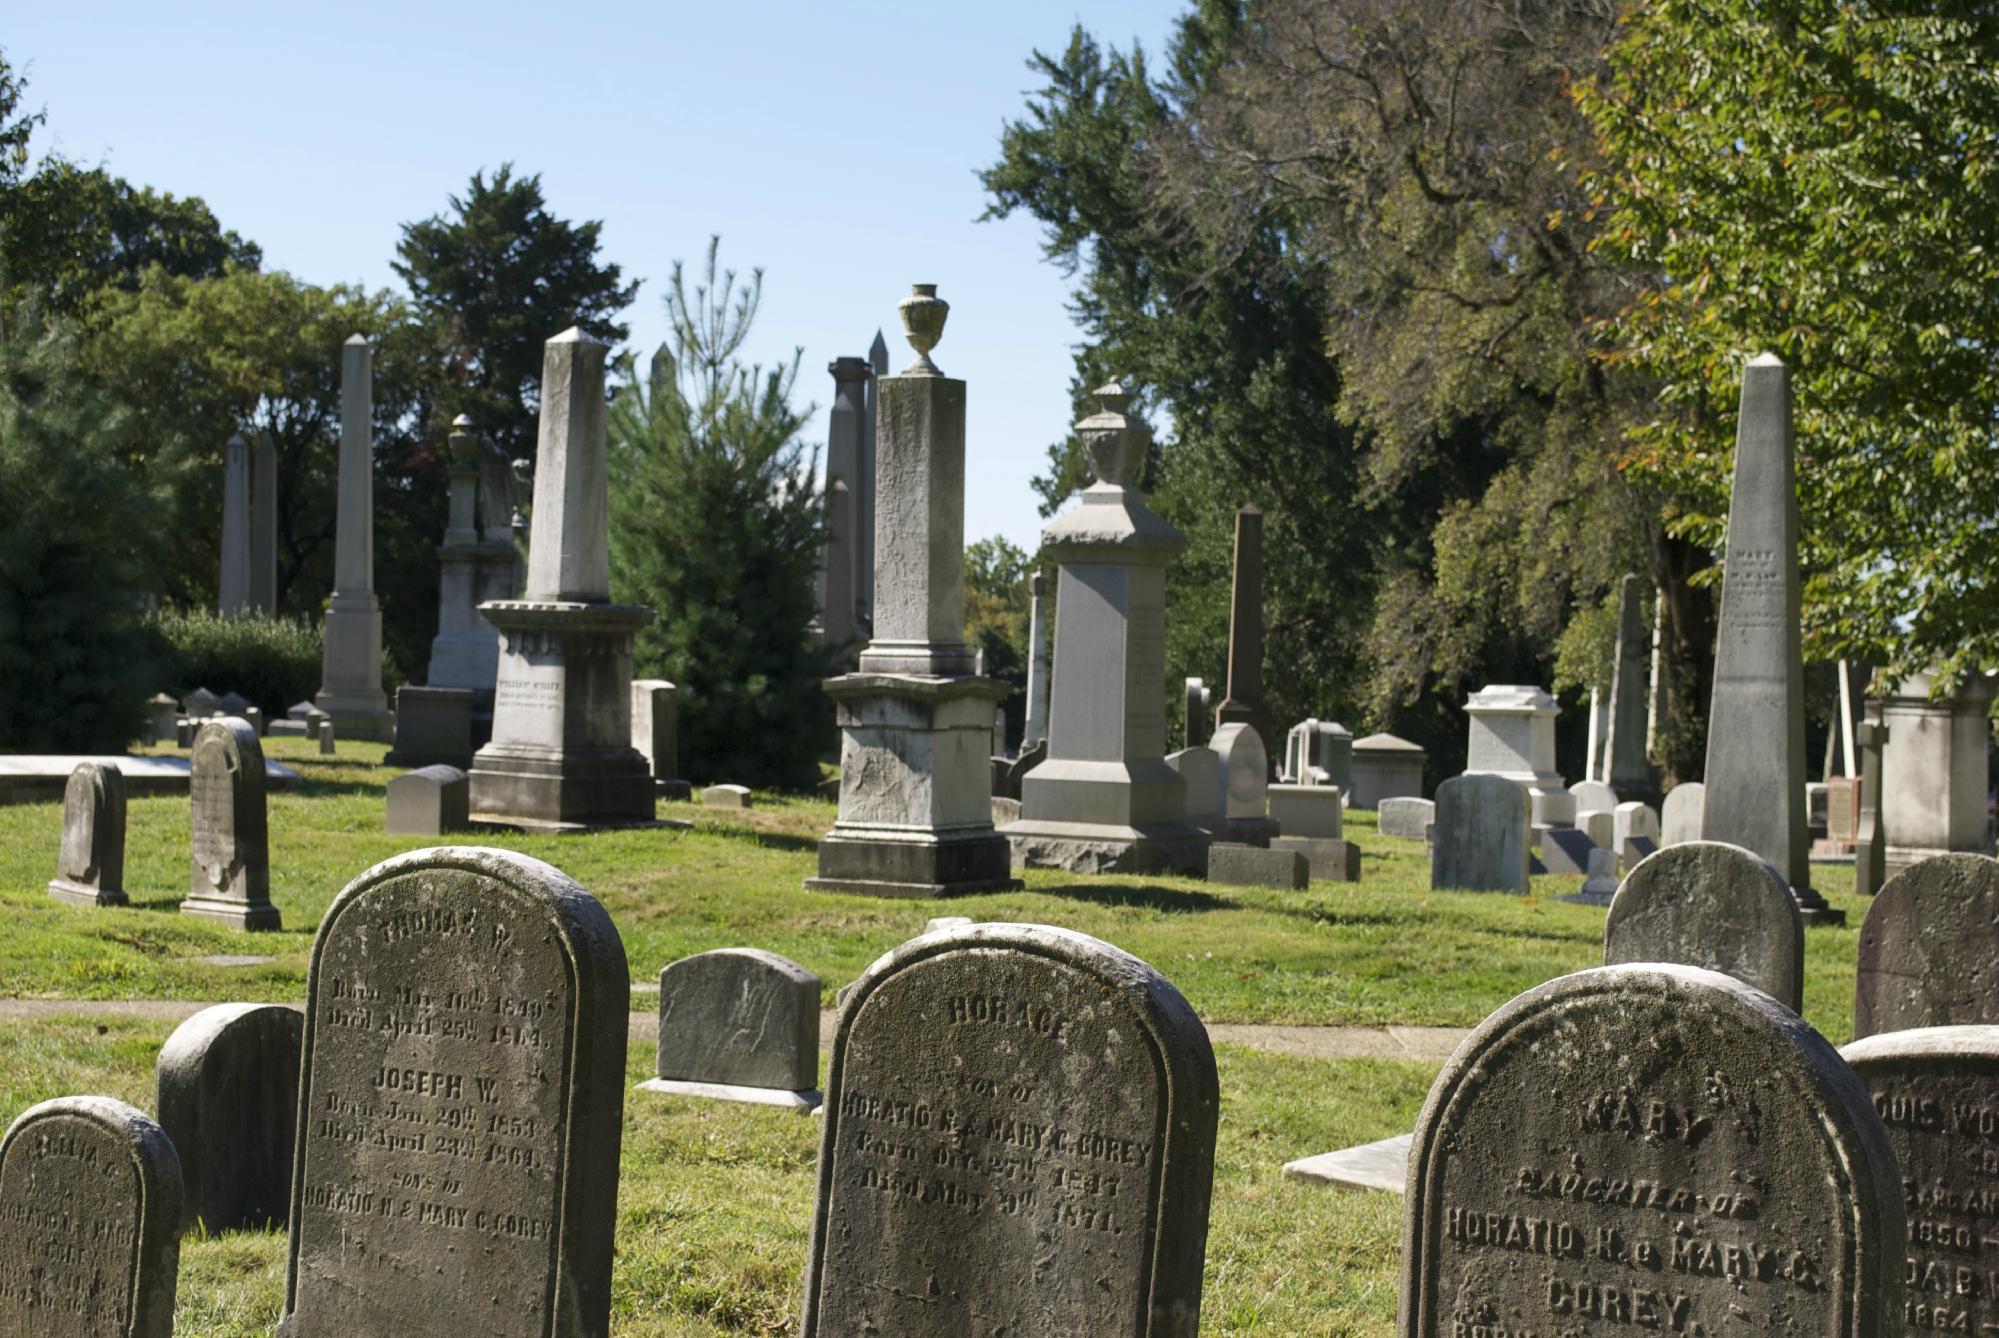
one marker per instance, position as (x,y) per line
(715,1201)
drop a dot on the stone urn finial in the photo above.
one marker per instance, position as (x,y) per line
(1116,441)
(464,443)
(923,314)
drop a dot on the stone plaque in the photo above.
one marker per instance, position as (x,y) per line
(1929,948)
(1711,904)
(1019,1141)
(90,871)
(90,1207)
(230,877)
(228,1097)
(1937,1090)
(461,1104)
(1656,1148)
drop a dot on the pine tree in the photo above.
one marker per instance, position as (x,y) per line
(715,522)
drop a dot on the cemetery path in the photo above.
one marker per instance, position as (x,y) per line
(1429,1044)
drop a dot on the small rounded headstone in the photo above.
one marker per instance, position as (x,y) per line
(1929,948)
(90,870)
(228,1097)
(1479,842)
(1714,905)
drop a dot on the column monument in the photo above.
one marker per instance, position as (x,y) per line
(351,680)
(232,591)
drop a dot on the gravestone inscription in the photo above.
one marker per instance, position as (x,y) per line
(1714,905)
(90,1207)
(230,875)
(1929,948)
(1650,1147)
(1019,1139)
(90,871)
(461,1104)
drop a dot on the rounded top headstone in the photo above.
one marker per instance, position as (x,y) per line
(1713,905)
(1929,948)
(923,314)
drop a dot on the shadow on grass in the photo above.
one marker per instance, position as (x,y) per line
(1156,898)
(307,788)
(763,839)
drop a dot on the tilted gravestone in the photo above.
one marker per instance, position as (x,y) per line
(1929,948)
(1937,1090)
(228,1097)
(1480,838)
(1713,905)
(90,871)
(461,1104)
(739,1024)
(230,877)
(90,1209)
(1650,1147)
(1020,1136)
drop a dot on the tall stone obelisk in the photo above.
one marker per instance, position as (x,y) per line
(840,588)
(915,718)
(232,590)
(561,752)
(1243,702)
(1105,801)
(1036,729)
(351,679)
(1755,795)
(264,526)
(1627,767)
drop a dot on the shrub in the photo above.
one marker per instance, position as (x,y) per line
(272,661)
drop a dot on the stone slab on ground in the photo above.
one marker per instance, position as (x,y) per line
(1328,861)
(26,777)
(1255,866)
(802,1102)
(1383,1165)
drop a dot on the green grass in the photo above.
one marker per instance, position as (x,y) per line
(1387,950)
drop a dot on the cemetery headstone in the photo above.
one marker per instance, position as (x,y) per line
(433,727)
(1407,818)
(463,1094)
(1242,704)
(1566,850)
(90,1213)
(1600,885)
(1934,774)
(1600,826)
(428,802)
(1870,853)
(200,704)
(1627,765)
(1937,1090)
(229,876)
(228,1098)
(1708,904)
(728,796)
(326,736)
(1480,839)
(1512,734)
(1245,782)
(1327,860)
(1652,1147)
(1306,810)
(1385,767)
(162,715)
(1929,948)
(1633,822)
(90,869)
(1680,816)
(1258,866)
(1200,770)
(656,729)
(959,1060)
(739,1024)
(1593,795)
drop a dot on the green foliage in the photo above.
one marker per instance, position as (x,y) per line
(716,524)
(495,280)
(274,662)
(998,610)
(1815,178)
(76,552)
(16,126)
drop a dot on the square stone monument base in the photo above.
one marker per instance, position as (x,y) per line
(433,728)
(518,782)
(904,864)
(235,914)
(81,894)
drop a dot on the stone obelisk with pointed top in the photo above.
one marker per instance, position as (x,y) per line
(1627,768)
(232,590)
(915,717)
(1243,703)
(264,526)
(1037,667)
(1755,796)
(351,680)
(561,752)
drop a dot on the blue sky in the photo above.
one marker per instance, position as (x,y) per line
(835,146)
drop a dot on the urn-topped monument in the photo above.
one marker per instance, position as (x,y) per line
(561,751)
(915,717)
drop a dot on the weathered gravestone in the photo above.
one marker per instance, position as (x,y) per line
(228,1098)
(1307,810)
(738,1024)
(1713,905)
(1479,842)
(1937,1090)
(1593,796)
(1245,782)
(428,802)
(90,1208)
(462,1102)
(1407,818)
(1929,948)
(1020,1136)
(1634,832)
(1650,1147)
(230,875)
(1258,866)
(90,870)
(1680,816)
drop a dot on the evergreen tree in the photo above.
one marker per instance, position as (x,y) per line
(75,553)
(715,522)
(495,280)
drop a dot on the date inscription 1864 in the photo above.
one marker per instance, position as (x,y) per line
(1649,1147)
(460,1110)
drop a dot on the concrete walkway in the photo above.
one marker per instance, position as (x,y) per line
(1427,1044)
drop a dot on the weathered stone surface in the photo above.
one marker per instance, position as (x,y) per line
(1600,826)
(428,802)
(1593,796)
(1245,782)
(1242,704)
(90,869)
(1680,816)
(1566,850)
(739,1017)
(1512,734)
(1039,668)
(1937,1091)
(162,718)
(656,726)
(1480,840)
(90,1232)
(1713,905)
(1328,861)
(433,727)
(1200,770)
(1382,1165)
(1319,752)
(1600,885)
(463,1094)
(1929,948)
(728,796)
(1194,713)
(326,736)
(233,581)
(1934,778)
(960,1060)
(351,667)
(1655,1147)
(230,874)
(228,1098)
(1870,848)
(1385,767)
(1257,866)
(1306,810)
(1406,817)
(264,525)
